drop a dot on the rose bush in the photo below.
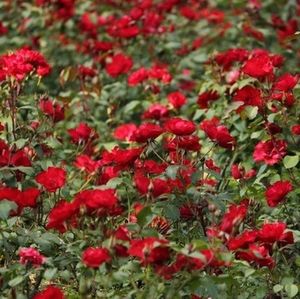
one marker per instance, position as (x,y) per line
(149,149)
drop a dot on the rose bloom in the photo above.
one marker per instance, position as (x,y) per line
(31,256)
(150,250)
(125,132)
(177,99)
(270,152)
(51,292)
(147,131)
(275,232)
(296,129)
(277,192)
(52,179)
(179,126)
(94,257)
(119,64)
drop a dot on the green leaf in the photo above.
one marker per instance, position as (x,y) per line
(291,290)
(171,212)
(50,273)
(14,282)
(251,111)
(6,207)
(145,216)
(171,171)
(290,161)
(277,288)
(130,106)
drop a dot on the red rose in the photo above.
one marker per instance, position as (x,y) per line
(121,157)
(242,241)
(189,143)
(82,133)
(179,126)
(296,129)
(119,64)
(150,250)
(285,82)
(52,109)
(259,66)
(249,95)
(270,152)
(160,73)
(125,132)
(156,111)
(138,77)
(234,216)
(147,131)
(94,257)
(218,133)
(258,255)
(206,97)
(275,232)
(97,199)
(51,292)
(177,99)
(31,256)
(61,214)
(87,164)
(28,197)
(277,192)
(52,179)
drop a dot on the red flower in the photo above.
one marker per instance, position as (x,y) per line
(82,133)
(234,216)
(250,95)
(226,59)
(156,111)
(28,197)
(138,77)
(277,192)
(96,199)
(121,157)
(285,82)
(50,292)
(155,186)
(206,97)
(85,163)
(150,250)
(296,129)
(270,152)
(218,133)
(242,241)
(125,131)
(52,109)
(160,73)
(52,179)
(250,31)
(258,255)
(179,126)
(259,66)
(238,172)
(21,63)
(189,143)
(275,232)
(119,64)
(94,257)
(61,214)
(31,256)
(194,263)
(3,29)
(147,131)
(177,99)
